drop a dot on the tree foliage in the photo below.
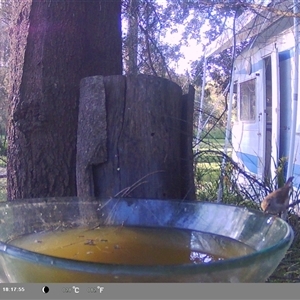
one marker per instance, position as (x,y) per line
(147,25)
(203,21)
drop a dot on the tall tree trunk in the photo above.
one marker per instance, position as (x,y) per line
(132,39)
(54,45)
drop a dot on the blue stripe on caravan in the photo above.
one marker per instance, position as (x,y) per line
(284,55)
(250,161)
(296,173)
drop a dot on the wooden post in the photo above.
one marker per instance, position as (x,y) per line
(141,129)
(91,133)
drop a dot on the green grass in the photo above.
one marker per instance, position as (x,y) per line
(3,161)
(3,193)
(208,168)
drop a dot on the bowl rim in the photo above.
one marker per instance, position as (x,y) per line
(149,270)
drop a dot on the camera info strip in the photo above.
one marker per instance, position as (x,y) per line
(149,291)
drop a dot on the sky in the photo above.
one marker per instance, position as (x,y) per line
(194,51)
(191,53)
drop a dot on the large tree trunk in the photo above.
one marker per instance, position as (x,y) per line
(54,45)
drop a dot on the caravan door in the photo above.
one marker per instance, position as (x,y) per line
(275,112)
(262,91)
(269,116)
(245,134)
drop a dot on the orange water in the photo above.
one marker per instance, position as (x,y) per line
(133,245)
(119,245)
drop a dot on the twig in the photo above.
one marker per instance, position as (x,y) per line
(125,192)
(293,204)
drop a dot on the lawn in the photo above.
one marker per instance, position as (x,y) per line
(2,180)
(2,189)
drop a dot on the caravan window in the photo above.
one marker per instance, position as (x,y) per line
(247,100)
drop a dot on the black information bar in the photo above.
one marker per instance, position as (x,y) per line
(150,291)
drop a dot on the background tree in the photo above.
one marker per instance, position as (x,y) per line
(54,44)
(4,53)
(144,43)
(131,43)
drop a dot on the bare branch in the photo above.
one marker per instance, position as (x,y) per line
(254,6)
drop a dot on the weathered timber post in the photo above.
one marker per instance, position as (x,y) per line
(132,139)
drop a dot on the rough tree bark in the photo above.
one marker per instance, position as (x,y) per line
(135,138)
(54,44)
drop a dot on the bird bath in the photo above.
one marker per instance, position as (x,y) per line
(218,243)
